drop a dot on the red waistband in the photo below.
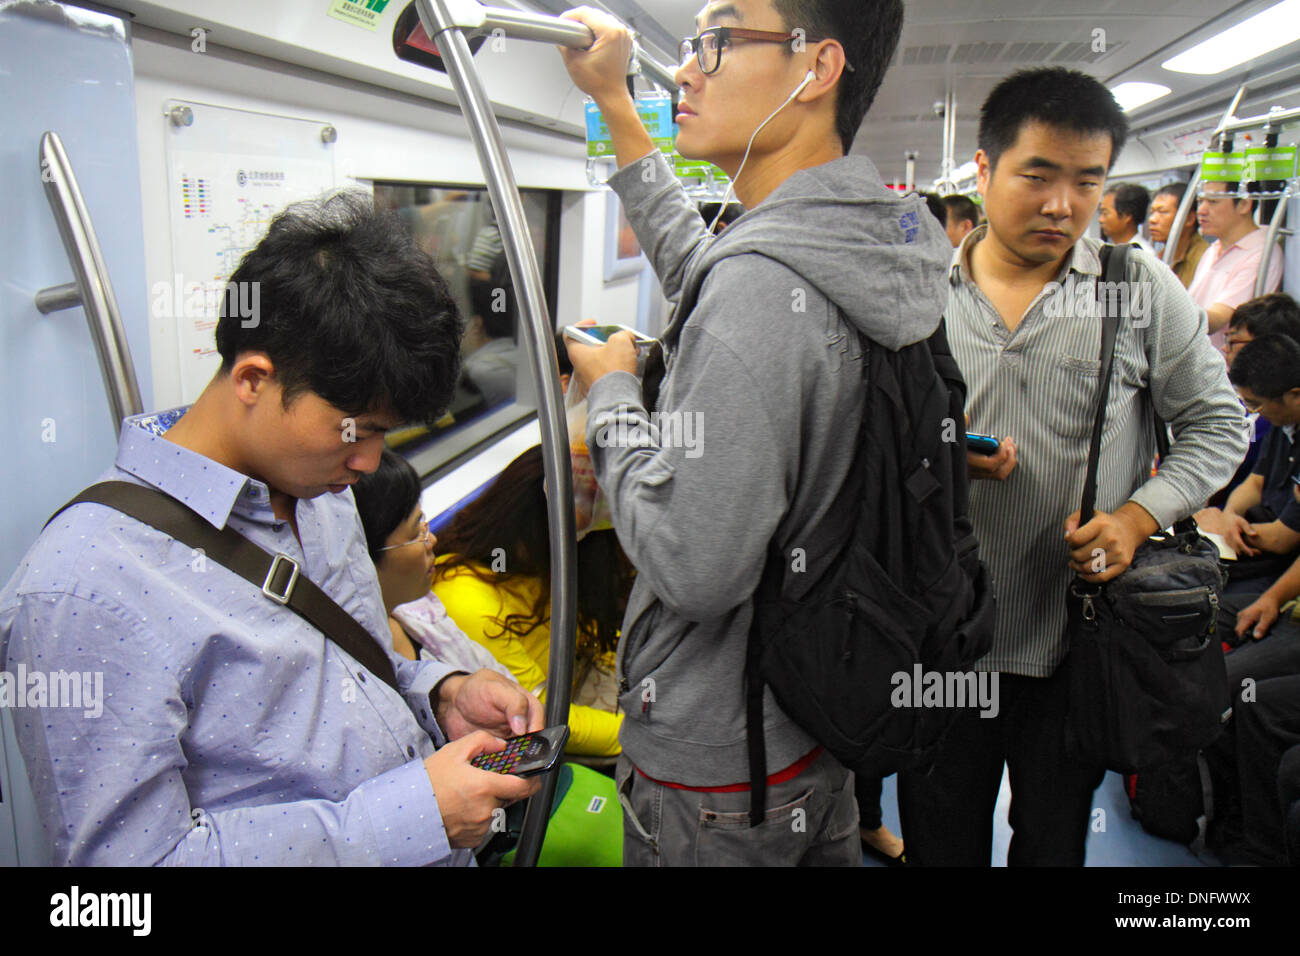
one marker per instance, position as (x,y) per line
(781,776)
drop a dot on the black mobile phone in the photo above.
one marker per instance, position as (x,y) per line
(527,755)
(982,444)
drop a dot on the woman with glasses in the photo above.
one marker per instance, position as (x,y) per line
(401,546)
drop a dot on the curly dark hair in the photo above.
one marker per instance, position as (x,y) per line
(511,515)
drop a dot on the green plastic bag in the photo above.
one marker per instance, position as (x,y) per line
(586,826)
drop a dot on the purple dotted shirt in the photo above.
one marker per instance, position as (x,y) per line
(229,730)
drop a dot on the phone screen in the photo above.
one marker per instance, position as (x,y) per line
(601,334)
(526,755)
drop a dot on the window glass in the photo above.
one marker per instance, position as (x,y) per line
(457,227)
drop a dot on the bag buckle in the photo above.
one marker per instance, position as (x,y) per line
(270,576)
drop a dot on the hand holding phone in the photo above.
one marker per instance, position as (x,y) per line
(466,796)
(982,444)
(600,334)
(994,467)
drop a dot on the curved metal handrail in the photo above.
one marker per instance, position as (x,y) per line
(441,24)
(91,287)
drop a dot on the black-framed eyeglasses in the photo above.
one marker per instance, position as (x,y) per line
(423,537)
(707,45)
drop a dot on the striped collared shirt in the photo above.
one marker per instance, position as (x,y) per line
(1038,384)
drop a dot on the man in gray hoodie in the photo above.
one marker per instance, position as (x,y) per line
(753,432)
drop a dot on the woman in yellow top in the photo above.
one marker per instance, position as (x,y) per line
(494,578)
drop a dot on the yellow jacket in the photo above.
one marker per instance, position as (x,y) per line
(476,606)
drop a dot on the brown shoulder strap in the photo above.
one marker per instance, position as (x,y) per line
(276,576)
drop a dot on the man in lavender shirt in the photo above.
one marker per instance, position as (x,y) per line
(231,731)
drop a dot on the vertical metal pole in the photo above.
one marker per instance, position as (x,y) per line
(1275,224)
(540,338)
(1184,209)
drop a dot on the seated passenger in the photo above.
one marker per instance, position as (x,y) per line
(1191,244)
(402,548)
(237,733)
(1251,800)
(1225,276)
(494,577)
(1276,312)
(1261,517)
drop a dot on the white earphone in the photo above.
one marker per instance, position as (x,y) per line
(807,78)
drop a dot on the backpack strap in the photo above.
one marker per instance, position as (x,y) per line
(770,583)
(276,576)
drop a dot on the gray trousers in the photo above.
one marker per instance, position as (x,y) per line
(812,821)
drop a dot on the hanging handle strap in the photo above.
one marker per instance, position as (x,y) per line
(277,576)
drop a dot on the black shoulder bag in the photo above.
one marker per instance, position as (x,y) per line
(1146,671)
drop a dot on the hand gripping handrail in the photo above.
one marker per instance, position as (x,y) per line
(90,287)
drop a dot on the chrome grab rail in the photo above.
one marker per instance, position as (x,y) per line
(91,287)
(447,21)
(1275,224)
(523,25)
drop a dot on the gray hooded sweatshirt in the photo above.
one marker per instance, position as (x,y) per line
(753,436)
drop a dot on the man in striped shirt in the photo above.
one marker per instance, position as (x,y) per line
(1024,329)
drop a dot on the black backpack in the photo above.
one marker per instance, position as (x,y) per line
(907,587)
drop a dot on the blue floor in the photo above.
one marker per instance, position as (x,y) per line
(1117,839)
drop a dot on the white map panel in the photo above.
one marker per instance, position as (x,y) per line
(229,173)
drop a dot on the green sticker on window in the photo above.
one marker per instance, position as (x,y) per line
(359,13)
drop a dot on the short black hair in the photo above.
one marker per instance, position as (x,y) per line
(1177,190)
(1269,366)
(937,208)
(869,31)
(348,307)
(385,498)
(493,299)
(1130,200)
(962,207)
(1053,96)
(1275,313)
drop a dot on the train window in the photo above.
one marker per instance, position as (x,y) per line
(497,389)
